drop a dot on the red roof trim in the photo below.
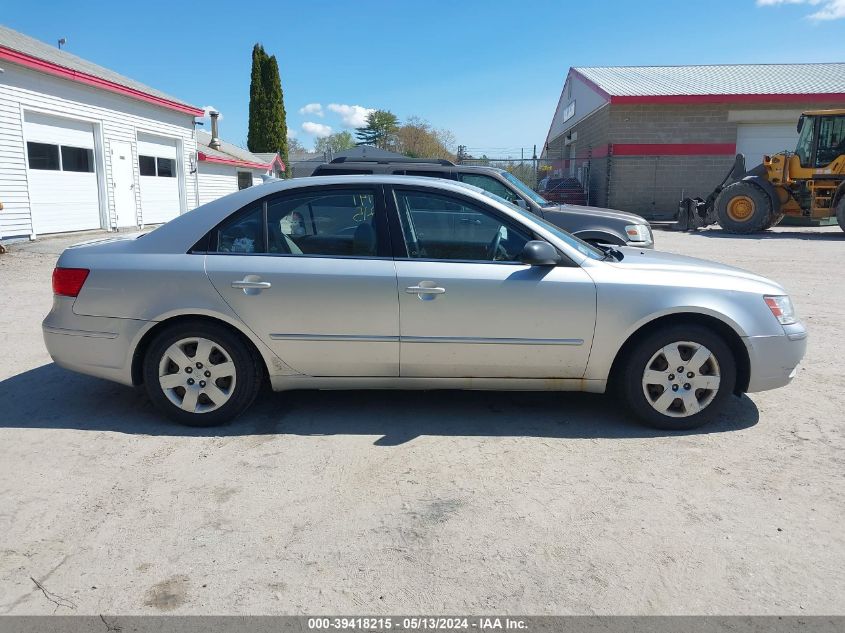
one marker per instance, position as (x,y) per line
(231,161)
(50,68)
(674,149)
(278,161)
(817,97)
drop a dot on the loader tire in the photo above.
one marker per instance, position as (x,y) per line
(774,221)
(840,212)
(743,208)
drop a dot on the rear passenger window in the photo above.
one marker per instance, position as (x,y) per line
(243,234)
(332,222)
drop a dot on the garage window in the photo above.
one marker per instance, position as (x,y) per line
(244,179)
(147,165)
(43,156)
(157,166)
(77,159)
(166,167)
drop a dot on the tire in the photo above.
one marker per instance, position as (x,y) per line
(840,212)
(216,395)
(646,371)
(743,208)
(775,220)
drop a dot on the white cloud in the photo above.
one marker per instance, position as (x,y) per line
(291,133)
(312,108)
(316,129)
(207,109)
(828,9)
(351,115)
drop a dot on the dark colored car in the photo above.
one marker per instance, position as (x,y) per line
(563,190)
(591,224)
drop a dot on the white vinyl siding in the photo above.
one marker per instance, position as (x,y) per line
(114,117)
(159,195)
(216,181)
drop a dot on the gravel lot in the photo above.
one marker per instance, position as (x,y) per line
(379,502)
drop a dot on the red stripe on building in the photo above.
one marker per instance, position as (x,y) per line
(674,149)
(50,68)
(820,97)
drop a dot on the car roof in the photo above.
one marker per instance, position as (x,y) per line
(387,164)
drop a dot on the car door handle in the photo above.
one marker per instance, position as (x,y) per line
(423,290)
(469,221)
(246,284)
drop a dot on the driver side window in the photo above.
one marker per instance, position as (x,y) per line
(437,226)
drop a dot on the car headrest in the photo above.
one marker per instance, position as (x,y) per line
(364,240)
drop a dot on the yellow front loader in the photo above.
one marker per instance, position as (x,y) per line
(807,183)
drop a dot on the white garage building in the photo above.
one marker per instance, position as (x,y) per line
(224,168)
(82,147)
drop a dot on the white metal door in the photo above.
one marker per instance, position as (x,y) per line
(123,184)
(62,173)
(758,139)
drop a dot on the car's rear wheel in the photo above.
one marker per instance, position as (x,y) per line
(201,374)
(679,377)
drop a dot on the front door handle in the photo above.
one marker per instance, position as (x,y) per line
(425,290)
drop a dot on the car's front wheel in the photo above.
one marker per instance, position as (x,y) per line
(201,374)
(679,377)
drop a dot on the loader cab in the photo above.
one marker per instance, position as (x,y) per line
(821,138)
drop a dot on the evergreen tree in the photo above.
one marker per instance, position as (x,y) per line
(380,130)
(267,120)
(257,117)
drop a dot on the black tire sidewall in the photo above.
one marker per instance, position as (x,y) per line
(760,218)
(641,353)
(247,370)
(840,212)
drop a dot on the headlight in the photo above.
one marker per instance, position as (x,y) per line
(781,307)
(638,232)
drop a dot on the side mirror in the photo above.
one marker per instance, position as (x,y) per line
(521,203)
(539,253)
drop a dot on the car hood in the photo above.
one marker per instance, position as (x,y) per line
(713,274)
(598,212)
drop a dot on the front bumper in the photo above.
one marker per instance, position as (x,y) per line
(775,359)
(97,346)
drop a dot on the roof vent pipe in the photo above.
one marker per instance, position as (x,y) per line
(215,135)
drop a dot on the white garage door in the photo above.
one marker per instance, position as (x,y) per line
(63,190)
(758,139)
(159,179)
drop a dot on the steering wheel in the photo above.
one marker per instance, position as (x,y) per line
(494,246)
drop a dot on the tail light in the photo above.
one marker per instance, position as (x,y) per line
(68,281)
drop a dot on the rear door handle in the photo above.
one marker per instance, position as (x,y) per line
(251,285)
(423,290)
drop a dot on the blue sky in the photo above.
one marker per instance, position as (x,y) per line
(490,71)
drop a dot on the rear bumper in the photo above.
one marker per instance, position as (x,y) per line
(97,346)
(775,359)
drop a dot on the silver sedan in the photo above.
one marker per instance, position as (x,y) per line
(379,282)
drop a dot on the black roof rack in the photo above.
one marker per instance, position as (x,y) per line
(388,161)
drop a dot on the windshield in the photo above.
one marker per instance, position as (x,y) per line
(581,246)
(525,189)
